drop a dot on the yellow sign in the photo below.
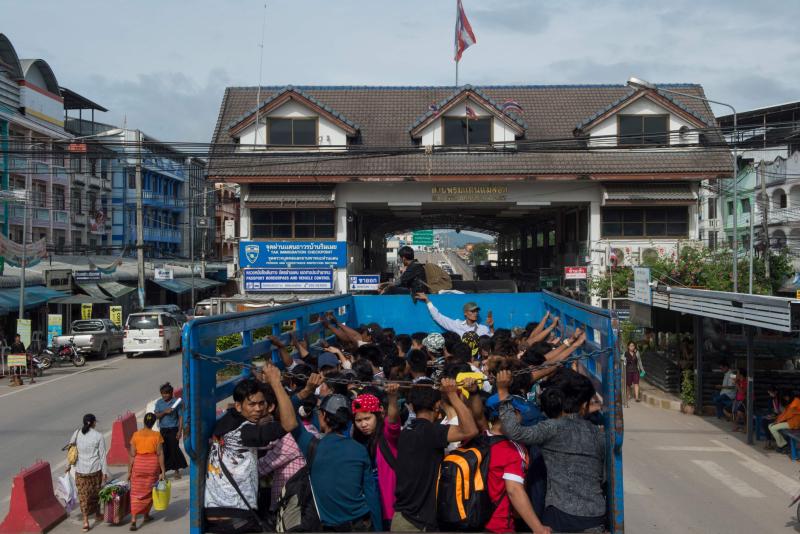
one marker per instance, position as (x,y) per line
(86,311)
(17,360)
(115,314)
(797,295)
(24,331)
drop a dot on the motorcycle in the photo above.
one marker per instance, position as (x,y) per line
(61,354)
(796,501)
(37,365)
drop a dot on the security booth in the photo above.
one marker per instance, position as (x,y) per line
(760,330)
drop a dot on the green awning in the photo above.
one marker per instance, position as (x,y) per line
(184,285)
(115,289)
(79,299)
(34,296)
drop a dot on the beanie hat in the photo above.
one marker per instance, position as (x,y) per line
(366,403)
(434,342)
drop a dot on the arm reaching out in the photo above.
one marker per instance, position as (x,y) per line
(466,428)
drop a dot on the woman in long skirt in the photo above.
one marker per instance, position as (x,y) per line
(145,469)
(91,469)
(169,412)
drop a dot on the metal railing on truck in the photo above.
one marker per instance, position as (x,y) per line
(201,361)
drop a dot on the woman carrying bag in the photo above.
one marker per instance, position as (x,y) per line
(146,467)
(633,369)
(91,469)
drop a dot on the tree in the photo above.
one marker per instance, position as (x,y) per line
(701,268)
(480,252)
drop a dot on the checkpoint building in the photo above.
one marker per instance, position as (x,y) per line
(561,175)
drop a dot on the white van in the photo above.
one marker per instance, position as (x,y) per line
(151,332)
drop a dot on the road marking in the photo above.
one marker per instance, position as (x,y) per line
(786,484)
(731,450)
(688,448)
(40,383)
(737,485)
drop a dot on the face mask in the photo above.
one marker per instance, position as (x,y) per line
(316,391)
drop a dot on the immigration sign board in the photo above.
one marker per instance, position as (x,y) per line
(575,273)
(256,280)
(364,282)
(297,254)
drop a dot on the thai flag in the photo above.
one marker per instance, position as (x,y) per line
(464,36)
(469,112)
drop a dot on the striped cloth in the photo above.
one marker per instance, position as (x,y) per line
(144,476)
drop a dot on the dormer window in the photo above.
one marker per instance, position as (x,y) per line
(459,131)
(292,132)
(639,130)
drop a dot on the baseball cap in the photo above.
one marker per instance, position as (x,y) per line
(333,403)
(327,359)
(519,404)
(471,306)
(472,340)
(434,342)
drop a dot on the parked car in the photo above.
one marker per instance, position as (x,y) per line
(95,337)
(151,332)
(172,309)
(202,308)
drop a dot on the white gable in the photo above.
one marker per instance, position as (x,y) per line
(329,135)
(432,135)
(605,132)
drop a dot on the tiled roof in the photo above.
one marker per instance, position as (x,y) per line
(291,195)
(458,92)
(385,113)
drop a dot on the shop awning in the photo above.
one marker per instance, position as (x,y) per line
(79,299)
(35,296)
(115,289)
(93,290)
(290,197)
(672,194)
(184,285)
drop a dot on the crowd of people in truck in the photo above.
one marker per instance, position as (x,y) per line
(476,428)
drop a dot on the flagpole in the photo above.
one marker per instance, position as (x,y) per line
(456,74)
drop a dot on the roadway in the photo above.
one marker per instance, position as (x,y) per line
(38,419)
(458,265)
(686,474)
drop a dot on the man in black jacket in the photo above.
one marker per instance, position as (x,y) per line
(413,278)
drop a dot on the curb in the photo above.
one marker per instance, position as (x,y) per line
(660,402)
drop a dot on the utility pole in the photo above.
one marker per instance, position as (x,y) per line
(191,222)
(752,247)
(139,219)
(764,217)
(205,232)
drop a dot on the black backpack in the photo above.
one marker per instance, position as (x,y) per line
(297,509)
(462,492)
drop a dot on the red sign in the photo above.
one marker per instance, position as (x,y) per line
(76,147)
(575,273)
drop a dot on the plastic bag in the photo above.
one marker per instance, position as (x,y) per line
(161,495)
(66,491)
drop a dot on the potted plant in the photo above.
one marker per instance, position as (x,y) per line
(687,392)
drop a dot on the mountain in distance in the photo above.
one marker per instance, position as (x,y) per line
(458,240)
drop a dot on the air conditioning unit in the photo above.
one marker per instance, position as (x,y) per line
(649,254)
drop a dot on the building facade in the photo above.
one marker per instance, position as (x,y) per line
(227,212)
(561,175)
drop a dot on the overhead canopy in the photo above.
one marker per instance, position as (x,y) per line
(115,289)
(290,197)
(35,296)
(672,194)
(184,285)
(78,299)
(94,290)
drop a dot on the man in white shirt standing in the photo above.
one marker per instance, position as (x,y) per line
(724,399)
(468,324)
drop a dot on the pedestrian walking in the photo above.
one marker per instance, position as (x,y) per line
(169,412)
(91,469)
(146,467)
(633,370)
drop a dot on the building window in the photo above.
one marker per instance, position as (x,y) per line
(712,208)
(59,197)
(292,224)
(745,205)
(782,200)
(131,179)
(467,131)
(292,132)
(730,207)
(712,240)
(645,222)
(643,129)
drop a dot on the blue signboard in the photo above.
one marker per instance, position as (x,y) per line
(364,282)
(256,280)
(292,254)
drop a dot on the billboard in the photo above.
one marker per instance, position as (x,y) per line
(292,254)
(258,280)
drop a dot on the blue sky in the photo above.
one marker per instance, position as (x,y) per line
(164,64)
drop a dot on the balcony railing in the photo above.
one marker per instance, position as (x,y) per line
(60,174)
(60,216)
(781,215)
(41,214)
(19,164)
(41,171)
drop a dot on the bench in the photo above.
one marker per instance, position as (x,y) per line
(792,436)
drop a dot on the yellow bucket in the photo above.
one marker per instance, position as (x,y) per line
(161,494)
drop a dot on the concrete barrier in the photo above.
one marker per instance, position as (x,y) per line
(121,433)
(33,507)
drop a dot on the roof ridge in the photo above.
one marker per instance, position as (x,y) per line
(456,88)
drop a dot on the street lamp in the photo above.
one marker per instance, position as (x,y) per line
(20,197)
(638,83)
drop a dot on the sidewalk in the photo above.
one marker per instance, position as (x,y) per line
(173,519)
(655,397)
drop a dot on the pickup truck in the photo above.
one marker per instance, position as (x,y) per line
(96,337)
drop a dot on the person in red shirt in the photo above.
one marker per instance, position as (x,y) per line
(508,465)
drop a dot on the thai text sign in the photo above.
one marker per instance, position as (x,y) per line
(86,310)
(292,254)
(256,280)
(469,193)
(54,327)
(364,282)
(574,273)
(641,286)
(86,276)
(115,314)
